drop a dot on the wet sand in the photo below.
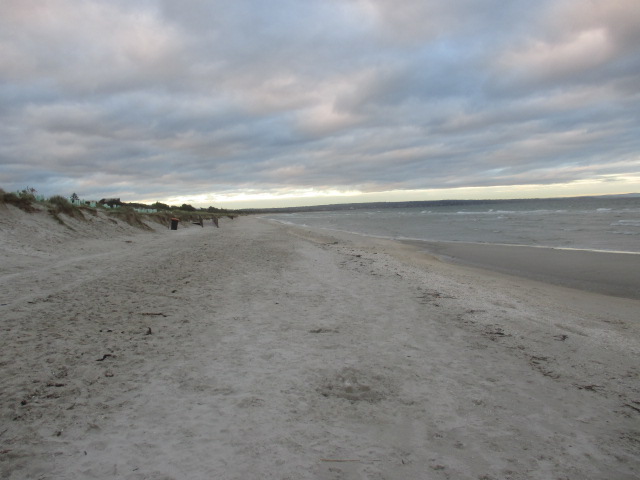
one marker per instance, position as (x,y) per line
(616,274)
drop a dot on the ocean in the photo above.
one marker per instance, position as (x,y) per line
(588,223)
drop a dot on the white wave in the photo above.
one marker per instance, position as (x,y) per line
(616,232)
(626,223)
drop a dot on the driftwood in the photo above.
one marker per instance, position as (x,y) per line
(342,460)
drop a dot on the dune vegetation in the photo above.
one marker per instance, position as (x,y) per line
(134,214)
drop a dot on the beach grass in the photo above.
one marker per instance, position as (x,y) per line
(58,205)
(23,200)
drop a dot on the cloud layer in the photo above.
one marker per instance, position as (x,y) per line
(155,99)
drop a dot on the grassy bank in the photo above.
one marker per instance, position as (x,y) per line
(58,205)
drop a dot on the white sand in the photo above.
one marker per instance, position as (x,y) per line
(262,351)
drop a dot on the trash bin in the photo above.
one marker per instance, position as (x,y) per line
(174,223)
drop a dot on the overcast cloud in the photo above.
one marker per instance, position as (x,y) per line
(206,100)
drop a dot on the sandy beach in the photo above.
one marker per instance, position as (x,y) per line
(263,351)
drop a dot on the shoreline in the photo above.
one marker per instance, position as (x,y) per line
(603,272)
(608,273)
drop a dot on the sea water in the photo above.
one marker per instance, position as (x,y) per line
(590,223)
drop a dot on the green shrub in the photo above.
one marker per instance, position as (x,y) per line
(23,202)
(59,204)
(130,216)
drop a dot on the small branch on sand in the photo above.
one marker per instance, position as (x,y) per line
(345,460)
(151,314)
(631,406)
(591,388)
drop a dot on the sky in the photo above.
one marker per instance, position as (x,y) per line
(249,103)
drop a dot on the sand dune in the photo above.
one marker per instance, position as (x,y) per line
(262,351)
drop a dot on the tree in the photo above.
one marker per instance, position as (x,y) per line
(161,206)
(187,207)
(74,198)
(112,202)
